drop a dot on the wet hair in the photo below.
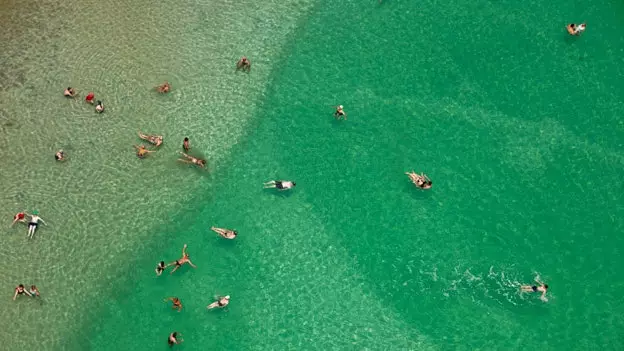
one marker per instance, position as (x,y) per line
(545,286)
(174,334)
(68,88)
(235,232)
(99,102)
(33,287)
(186,139)
(21,286)
(162,263)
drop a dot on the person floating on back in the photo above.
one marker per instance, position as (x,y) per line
(420,180)
(69,92)
(280,184)
(142,151)
(185,259)
(90,98)
(152,139)
(243,64)
(177,304)
(220,303)
(173,339)
(192,160)
(543,288)
(226,233)
(34,223)
(20,217)
(59,156)
(163,88)
(339,114)
(574,29)
(99,108)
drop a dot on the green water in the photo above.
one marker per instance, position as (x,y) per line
(516,123)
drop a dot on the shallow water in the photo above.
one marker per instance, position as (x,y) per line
(526,181)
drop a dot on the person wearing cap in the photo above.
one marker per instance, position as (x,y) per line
(226,233)
(340,113)
(34,222)
(220,303)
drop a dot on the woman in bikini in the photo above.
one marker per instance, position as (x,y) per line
(220,303)
(192,160)
(226,233)
(156,140)
(20,290)
(177,305)
(142,151)
(181,261)
(420,180)
(69,92)
(34,292)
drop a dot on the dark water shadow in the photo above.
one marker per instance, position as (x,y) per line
(283,194)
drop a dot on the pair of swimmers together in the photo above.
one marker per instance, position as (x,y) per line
(220,302)
(21,290)
(32,224)
(160,268)
(420,180)
(71,93)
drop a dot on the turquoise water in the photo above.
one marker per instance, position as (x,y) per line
(516,123)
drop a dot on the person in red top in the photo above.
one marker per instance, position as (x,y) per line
(90,98)
(20,217)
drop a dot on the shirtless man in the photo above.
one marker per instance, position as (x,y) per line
(177,305)
(340,113)
(163,88)
(20,290)
(280,184)
(226,233)
(543,288)
(192,160)
(220,303)
(34,292)
(181,261)
(142,151)
(420,180)
(156,140)
(243,64)
(34,222)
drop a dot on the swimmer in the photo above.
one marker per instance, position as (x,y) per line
(20,290)
(177,305)
(186,144)
(164,87)
(420,180)
(243,64)
(59,156)
(543,288)
(574,29)
(160,267)
(279,184)
(99,108)
(90,98)
(340,113)
(69,92)
(34,222)
(152,139)
(20,217)
(181,261)
(220,303)
(173,339)
(34,292)
(142,151)
(226,233)
(192,160)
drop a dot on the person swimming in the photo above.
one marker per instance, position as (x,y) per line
(142,151)
(226,233)
(192,160)
(243,64)
(543,288)
(340,113)
(59,156)
(156,140)
(420,180)
(186,144)
(34,292)
(173,339)
(220,303)
(34,222)
(177,304)
(20,290)
(574,29)
(280,184)
(160,267)
(185,259)
(90,98)
(19,217)
(69,92)
(99,108)
(163,88)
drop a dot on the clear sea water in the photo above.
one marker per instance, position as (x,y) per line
(518,125)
